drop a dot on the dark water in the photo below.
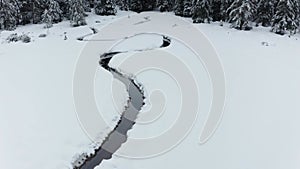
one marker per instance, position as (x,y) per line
(118,135)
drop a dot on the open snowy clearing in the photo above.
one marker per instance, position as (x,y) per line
(39,126)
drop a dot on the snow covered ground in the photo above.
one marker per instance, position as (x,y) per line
(39,126)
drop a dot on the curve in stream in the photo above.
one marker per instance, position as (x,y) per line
(118,135)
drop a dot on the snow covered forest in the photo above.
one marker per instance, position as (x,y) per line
(282,16)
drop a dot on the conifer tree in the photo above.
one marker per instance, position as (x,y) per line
(123,5)
(105,7)
(187,8)
(36,10)
(142,5)
(55,11)
(225,4)
(163,5)
(241,13)
(148,5)
(86,6)
(47,19)
(265,12)
(52,15)
(216,10)
(64,7)
(201,11)
(76,13)
(286,17)
(178,7)
(136,5)
(8,15)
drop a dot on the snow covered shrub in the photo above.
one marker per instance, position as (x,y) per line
(15,38)
(25,38)
(42,35)
(105,7)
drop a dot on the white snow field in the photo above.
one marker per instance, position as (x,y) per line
(39,128)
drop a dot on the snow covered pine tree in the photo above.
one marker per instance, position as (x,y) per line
(86,6)
(286,18)
(47,19)
(201,11)
(136,5)
(105,7)
(64,6)
(216,9)
(55,11)
(76,13)
(149,5)
(241,13)
(187,8)
(9,15)
(265,12)
(225,4)
(142,5)
(35,10)
(178,7)
(123,5)
(163,5)
(52,15)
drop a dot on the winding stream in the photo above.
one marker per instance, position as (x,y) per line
(118,135)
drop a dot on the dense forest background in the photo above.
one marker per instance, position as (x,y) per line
(282,16)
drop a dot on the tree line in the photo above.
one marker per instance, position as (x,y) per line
(283,16)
